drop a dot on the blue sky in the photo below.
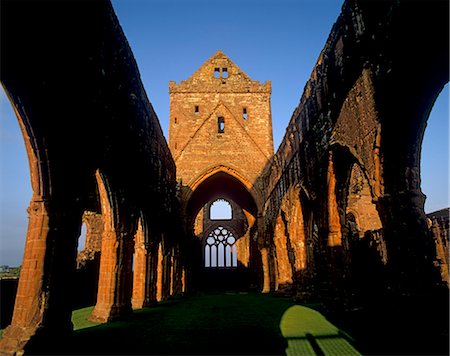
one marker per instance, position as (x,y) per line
(277,40)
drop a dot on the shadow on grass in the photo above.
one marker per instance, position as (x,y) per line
(212,324)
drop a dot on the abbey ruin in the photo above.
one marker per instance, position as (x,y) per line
(336,214)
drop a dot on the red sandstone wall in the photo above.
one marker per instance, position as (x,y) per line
(246,145)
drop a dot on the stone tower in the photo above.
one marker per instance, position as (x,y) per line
(220,117)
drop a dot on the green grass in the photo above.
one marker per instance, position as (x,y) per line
(80,318)
(202,324)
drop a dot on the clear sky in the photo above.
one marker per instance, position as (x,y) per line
(277,40)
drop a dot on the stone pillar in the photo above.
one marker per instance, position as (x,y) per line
(266,271)
(334,220)
(166,272)
(140,273)
(284,268)
(114,285)
(177,272)
(411,250)
(159,273)
(183,280)
(335,269)
(43,305)
(152,272)
(115,276)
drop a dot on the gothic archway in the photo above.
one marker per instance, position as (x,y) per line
(223,255)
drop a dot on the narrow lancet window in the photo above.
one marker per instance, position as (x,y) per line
(221,125)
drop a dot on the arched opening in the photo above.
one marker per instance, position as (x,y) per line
(15,188)
(15,194)
(434,175)
(434,160)
(223,213)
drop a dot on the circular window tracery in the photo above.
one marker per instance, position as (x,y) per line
(220,249)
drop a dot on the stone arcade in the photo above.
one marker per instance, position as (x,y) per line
(335,215)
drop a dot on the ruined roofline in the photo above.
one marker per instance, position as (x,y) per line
(203,80)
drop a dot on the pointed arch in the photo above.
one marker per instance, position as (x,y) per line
(220,182)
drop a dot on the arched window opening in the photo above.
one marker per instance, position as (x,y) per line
(434,161)
(220,125)
(220,210)
(220,249)
(15,190)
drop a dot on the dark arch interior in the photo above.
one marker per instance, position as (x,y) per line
(221,185)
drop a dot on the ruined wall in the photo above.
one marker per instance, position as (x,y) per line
(110,136)
(362,108)
(94,232)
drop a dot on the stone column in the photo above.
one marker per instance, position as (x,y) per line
(411,250)
(177,273)
(152,274)
(283,267)
(266,272)
(335,269)
(43,305)
(166,272)
(115,276)
(183,280)
(334,220)
(159,273)
(114,285)
(141,260)
(172,274)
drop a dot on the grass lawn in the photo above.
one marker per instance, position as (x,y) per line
(201,324)
(80,318)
